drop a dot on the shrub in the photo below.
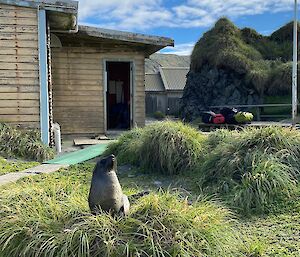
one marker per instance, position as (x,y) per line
(159,115)
(166,147)
(48,216)
(23,143)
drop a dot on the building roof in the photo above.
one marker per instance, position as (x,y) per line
(62,14)
(174,78)
(125,36)
(153,83)
(168,79)
(66,6)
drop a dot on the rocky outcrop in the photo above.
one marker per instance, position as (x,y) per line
(213,87)
(233,66)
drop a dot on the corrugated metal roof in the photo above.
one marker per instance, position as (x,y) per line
(153,82)
(174,78)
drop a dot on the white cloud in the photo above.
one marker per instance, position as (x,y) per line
(139,15)
(180,49)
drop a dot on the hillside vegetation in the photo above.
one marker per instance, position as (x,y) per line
(263,62)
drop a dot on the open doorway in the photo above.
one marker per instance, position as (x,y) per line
(118,100)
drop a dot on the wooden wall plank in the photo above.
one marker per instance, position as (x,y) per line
(19,77)
(19,88)
(18,74)
(19,103)
(19,81)
(18,44)
(21,67)
(19,96)
(19,21)
(13,13)
(19,51)
(19,36)
(18,111)
(19,118)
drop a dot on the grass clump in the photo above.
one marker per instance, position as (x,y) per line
(25,144)
(159,115)
(249,169)
(49,216)
(253,167)
(14,166)
(165,147)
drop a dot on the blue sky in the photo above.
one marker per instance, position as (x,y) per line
(184,20)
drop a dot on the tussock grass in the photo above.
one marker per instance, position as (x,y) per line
(25,144)
(249,169)
(253,167)
(49,216)
(166,147)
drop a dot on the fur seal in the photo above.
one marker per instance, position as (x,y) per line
(106,192)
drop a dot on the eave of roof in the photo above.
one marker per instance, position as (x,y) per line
(125,36)
(65,6)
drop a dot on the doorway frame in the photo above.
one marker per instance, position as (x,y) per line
(132,90)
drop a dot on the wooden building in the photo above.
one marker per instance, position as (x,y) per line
(89,80)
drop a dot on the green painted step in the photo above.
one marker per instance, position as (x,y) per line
(80,155)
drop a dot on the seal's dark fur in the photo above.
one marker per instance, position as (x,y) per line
(106,192)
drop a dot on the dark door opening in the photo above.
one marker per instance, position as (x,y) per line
(118,95)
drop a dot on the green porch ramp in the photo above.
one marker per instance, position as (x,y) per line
(80,155)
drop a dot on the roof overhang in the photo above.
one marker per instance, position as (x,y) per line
(64,6)
(152,43)
(61,14)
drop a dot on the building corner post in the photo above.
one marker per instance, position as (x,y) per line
(43,76)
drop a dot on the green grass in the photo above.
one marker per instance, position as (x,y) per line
(26,144)
(49,216)
(14,166)
(240,197)
(277,232)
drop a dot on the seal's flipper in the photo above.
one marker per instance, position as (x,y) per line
(126,206)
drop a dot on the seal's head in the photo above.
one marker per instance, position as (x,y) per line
(106,164)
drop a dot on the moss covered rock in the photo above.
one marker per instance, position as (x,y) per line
(231,66)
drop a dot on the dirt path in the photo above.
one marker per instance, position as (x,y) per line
(44,168)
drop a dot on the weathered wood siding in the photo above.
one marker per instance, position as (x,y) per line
(19,78)
(78,98)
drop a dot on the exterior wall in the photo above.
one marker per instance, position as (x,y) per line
(19,65)
(174,102)
(165,102)
(156,101)
(78,97)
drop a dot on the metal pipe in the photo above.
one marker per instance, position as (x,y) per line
(294,76)
(57,137)
(43,76)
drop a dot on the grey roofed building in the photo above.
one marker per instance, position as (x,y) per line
(164,89)
(174,78)
(153,83)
